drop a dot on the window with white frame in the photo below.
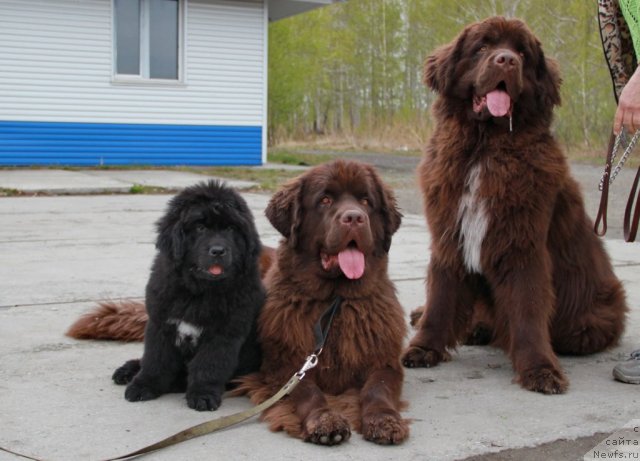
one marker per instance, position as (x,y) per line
(147,40)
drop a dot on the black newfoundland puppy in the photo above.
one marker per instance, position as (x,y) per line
(202,300)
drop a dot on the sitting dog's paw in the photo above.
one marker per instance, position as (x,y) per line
(204,401)
(326,428)
(416,315)
(136,392)
(546,380)
(415,357)
(126,373)
(480,336)
(385,428)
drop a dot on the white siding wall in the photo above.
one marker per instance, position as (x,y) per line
(56,66)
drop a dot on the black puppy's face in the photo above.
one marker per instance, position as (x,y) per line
(212,249)
(208,233)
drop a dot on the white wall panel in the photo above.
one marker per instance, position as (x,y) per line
(56,66)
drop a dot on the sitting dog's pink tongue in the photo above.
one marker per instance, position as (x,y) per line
(351,263)
(498,103)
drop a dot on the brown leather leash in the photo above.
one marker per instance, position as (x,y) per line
(631,223)
(631,217)
(320,333)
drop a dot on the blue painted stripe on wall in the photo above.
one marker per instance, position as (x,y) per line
(90,144)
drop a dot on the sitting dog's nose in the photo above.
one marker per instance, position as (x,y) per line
(352,218)
(217,250)
(506,59)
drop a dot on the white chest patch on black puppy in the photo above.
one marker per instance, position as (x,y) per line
(473,221)
(186,332)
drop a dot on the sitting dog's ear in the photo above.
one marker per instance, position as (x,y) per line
(389,208)
(549,80)
(284,211)
(439,67)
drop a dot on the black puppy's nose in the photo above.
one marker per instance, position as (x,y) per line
(217,250)
(352,218)
(506,59)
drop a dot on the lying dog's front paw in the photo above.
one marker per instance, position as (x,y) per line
(546,380)
(326,428)
(385,428)
(136,392)
(415,357)
(204,401)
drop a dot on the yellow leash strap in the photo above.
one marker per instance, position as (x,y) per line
(216,424)
(208,427)
(203,428)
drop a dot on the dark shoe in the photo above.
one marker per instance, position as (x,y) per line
(629,371)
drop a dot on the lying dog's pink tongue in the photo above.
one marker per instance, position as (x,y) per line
(498,103)
(351,263)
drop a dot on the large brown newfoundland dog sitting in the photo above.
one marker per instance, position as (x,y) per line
(337,221)
(510,234)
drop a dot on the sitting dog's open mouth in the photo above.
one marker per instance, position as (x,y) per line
(497,102)
(350,260)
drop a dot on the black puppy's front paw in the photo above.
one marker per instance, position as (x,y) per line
(204,401)
(136,392)
(126,373)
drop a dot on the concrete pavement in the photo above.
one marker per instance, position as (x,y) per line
(60,254)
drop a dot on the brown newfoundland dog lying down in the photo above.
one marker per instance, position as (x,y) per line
(337,221)
(510,236)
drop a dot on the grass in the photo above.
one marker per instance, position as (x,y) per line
(268,180)
(142,189)
(297,156)
(5,192)
(321,152)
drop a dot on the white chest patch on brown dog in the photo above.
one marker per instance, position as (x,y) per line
(186,332)
(473,221)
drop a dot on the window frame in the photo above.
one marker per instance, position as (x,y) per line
(143,77)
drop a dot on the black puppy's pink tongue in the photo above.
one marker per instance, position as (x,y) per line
(351,261)
(498,103)
(216,269)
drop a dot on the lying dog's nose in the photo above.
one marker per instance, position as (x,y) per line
(506,59)
(217,250)
(353,218)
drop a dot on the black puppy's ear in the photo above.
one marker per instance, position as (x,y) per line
(392,218)
(171,235)
(549,80)
(439,67)
(284,211)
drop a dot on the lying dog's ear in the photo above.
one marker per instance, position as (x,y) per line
(284,211)
(389,208)
(439,67)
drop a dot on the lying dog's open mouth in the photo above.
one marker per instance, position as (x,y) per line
(350,260)
(497,102)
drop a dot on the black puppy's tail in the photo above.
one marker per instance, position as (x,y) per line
(121,321)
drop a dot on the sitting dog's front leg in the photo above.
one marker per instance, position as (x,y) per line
(209,370)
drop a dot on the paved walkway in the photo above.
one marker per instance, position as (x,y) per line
(60,254)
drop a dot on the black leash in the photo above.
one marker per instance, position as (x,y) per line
(320,334)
